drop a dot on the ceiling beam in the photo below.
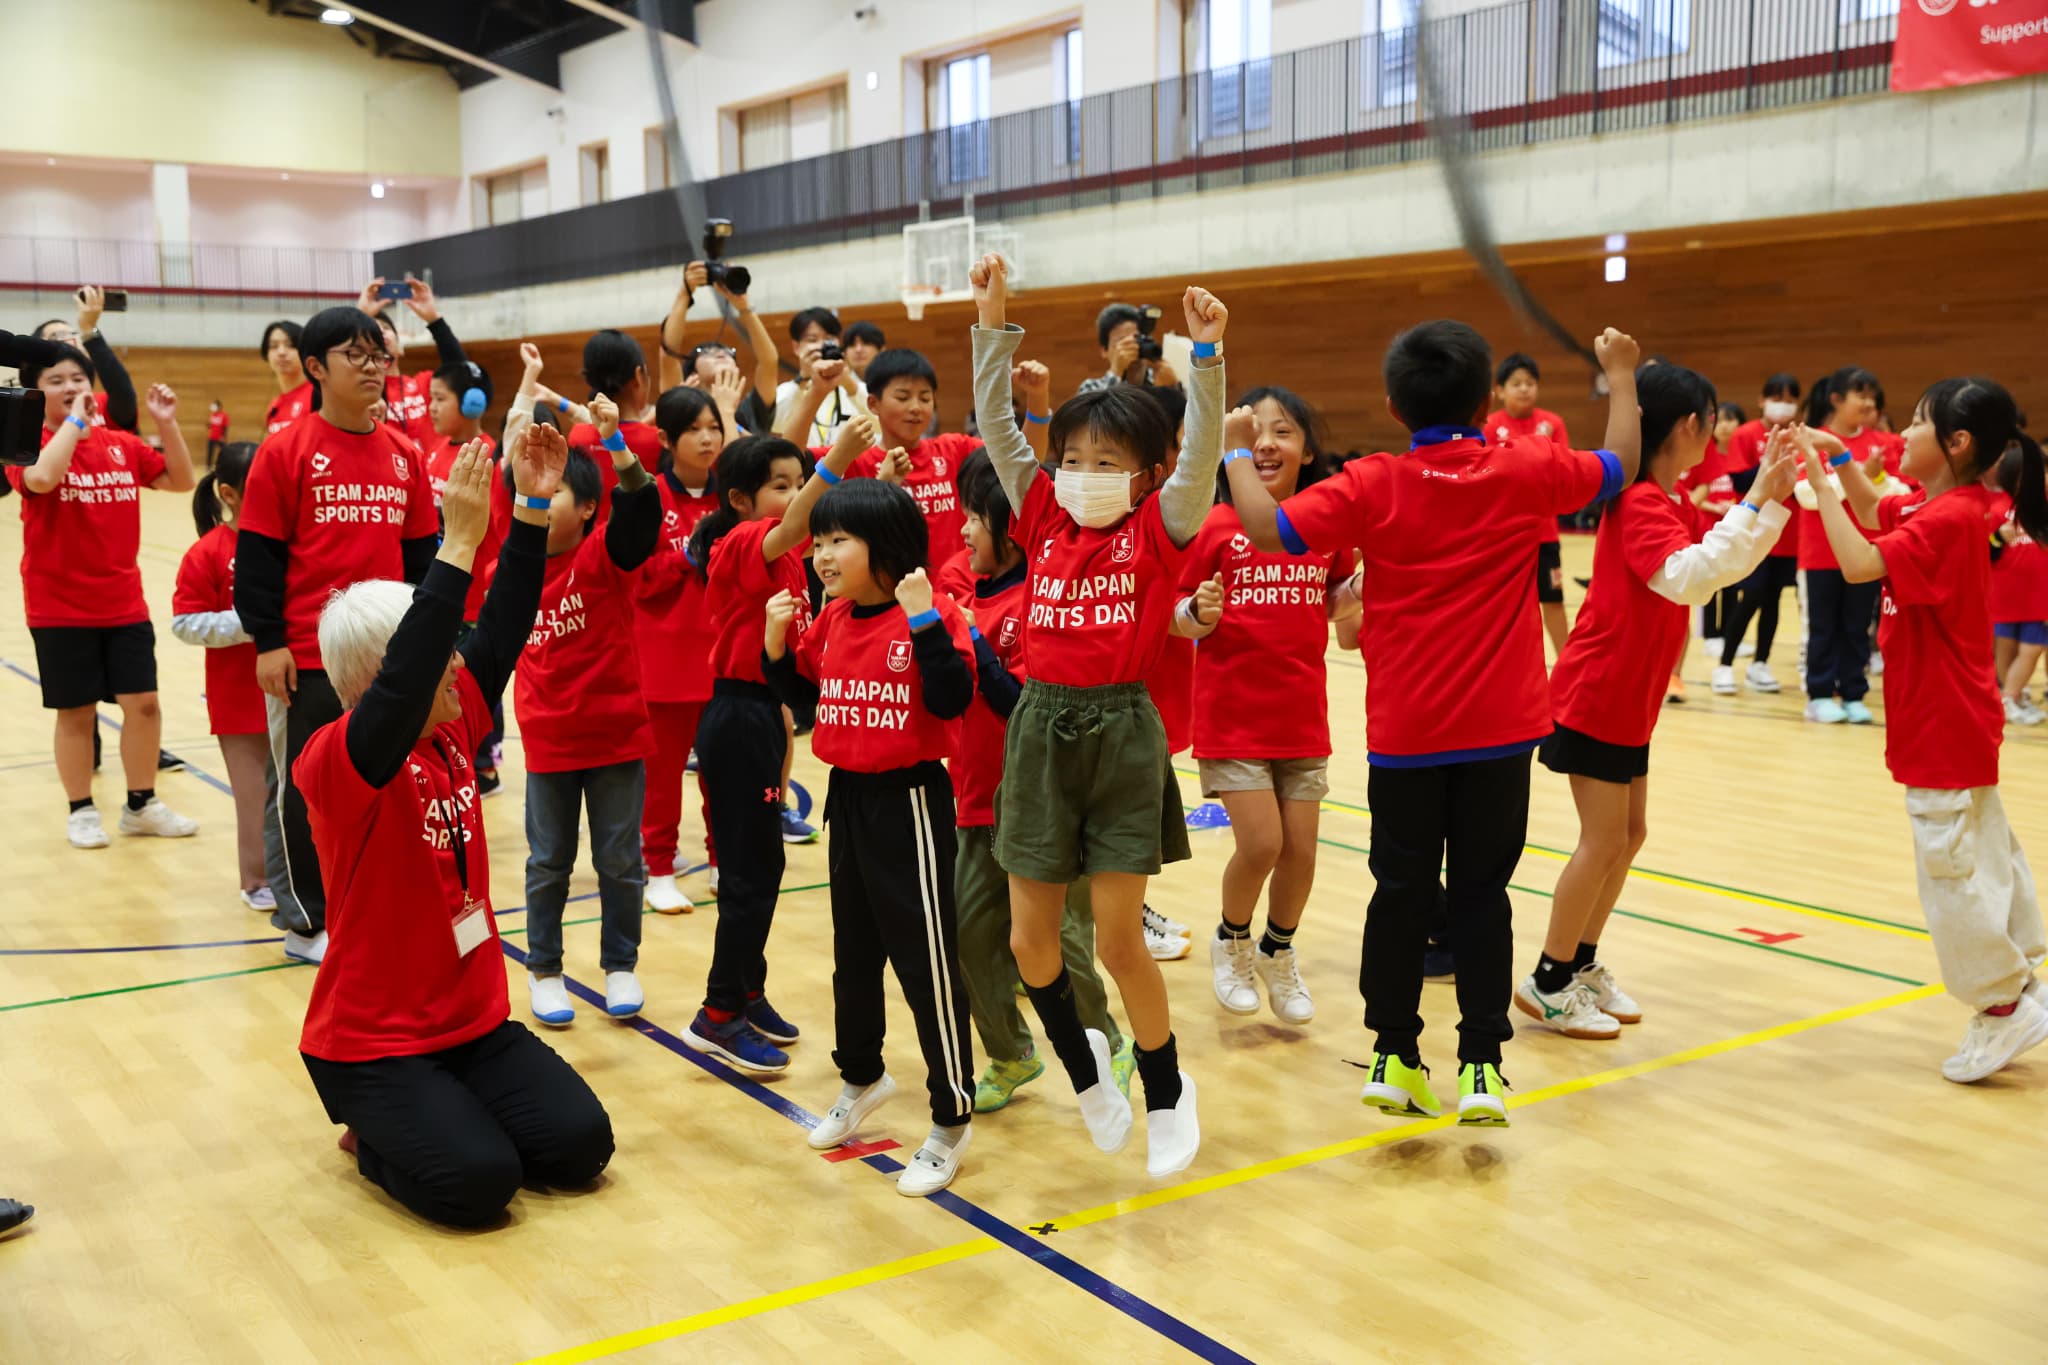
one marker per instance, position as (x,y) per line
(677,17)
(439,25)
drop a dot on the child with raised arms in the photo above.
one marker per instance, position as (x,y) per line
(888,668)
(1445,535)
(1943,722)
(1088,787)
(1516,382)
(1757,596)
(1607,686)
(750,549)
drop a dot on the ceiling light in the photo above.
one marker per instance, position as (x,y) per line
(284,175)
(51,161)
(331,15)
(376,189)
(1617,241)
(1617,269)
(874,79)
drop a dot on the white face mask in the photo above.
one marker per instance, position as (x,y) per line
(1776,412)
(1093,500)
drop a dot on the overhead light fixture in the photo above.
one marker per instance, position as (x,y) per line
(376,189)
(874,79)
(284,175)
(338,17)
(1617,269)
(51,160)
(1617,241)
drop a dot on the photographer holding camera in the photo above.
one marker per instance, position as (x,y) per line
(700,362)
(115,405)
(1132,352)
(816,334)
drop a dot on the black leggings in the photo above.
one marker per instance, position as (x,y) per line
(453,1134)
(740,744)
(1757,596)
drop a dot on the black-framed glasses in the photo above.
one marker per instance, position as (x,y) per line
(365,360)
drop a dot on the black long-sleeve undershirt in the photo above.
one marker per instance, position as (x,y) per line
(451,352)
(259,587)
(122,411)
(385,724)
(635,526)
(998,685)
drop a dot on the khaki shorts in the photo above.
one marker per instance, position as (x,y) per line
(1289,779)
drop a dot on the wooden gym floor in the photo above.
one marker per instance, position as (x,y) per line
(1770,1166)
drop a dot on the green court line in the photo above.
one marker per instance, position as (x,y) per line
(593,919)
(1694,929)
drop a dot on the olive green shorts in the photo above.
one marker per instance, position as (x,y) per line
(1087,785)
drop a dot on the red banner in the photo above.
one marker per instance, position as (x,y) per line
(1962,42)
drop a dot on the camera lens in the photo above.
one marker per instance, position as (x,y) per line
(830,350)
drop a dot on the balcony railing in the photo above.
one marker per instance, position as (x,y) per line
(1527,72)
(183,272)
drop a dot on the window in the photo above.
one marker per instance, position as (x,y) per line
(1067,76)
(660,175)
(963,112)
(510,196)
(595,172)
(1387,65)
(764,135)
(1238,36)
(1638,30)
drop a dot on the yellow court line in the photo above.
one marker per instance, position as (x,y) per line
(961,1251)
(747,1308)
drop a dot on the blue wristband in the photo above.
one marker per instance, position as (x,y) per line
(1204,349)
(928,617)
(1035,419)
(1238,454)
(76,421)
(532,504)
(615,442)
(1838,461)
(1751,506)
(827,475)
(561,405)
(974,632)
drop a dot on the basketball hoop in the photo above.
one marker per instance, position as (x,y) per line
(916,296)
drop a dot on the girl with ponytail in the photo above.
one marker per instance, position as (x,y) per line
(203,614)
(1945,720)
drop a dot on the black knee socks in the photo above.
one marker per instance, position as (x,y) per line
(1275,939)
(1062,1022)
(1160,1071)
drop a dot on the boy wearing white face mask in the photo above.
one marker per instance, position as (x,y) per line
(1757,596)
(1088,788)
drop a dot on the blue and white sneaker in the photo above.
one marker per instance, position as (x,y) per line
(1856,713)
(768,1023)
(738,1043)
(550,1000)
(622,995)
(795,830)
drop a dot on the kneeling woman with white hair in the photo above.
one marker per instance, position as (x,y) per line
(450,1105)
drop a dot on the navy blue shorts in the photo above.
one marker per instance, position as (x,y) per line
(2026,632)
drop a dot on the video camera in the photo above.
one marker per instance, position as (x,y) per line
(1148,345)
(830,349)
(736,279)
(21,425)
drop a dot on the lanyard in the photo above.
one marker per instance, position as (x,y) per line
(456,834)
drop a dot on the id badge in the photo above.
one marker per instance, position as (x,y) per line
(472,926)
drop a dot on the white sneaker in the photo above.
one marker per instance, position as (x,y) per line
(1761,679)
(1284,987)
(622,994)
(1230,961)
(933,1166)
(1173,1136)
(1611,999)
(85,830)
(845,1116)
(1745,650)
(1991,1042)
(714,881)
(301,948)
(549,996)
(2019,713)
(1724,681)
(158,819)
(1876,669)
(2037,988)
(1163,946)
(262,899)
(1711,647)
(664,897)
(1570,1011)
(1168,925)
(1104,1108)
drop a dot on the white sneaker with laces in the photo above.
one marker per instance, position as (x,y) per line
(1724,681)
(622,995)
(2019,713)
(304,948)
(85,830)
(1761,679)
(849,1111)
(1173,1136)
(1611,999)
(262,899)
(1711,646)
(1745,650)
(1285,989)
(934,1164)
(1570,1011)
(1163,946)
(2038,989)
(1230,961)
(664,897)
(1991,1042)
(549,996)
(1104,1108)
(1876,669)
(1168,925)
(159,820)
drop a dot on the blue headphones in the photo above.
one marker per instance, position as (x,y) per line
(474,401)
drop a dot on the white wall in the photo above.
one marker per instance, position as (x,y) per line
(243,211)
(71,200)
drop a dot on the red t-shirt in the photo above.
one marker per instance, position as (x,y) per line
(1746,451)
(577,689)
(393,983)
(206,582)
(1261,687)
(343,504)
(2019,581)
(1450,632)
(977,766)
(1814,550)
(932,481)
(955,577)
(217,425)
(79,541)
(440,458)
(643,440)
(738,584)
(1540,422)
(1943,717)
(1171,685)
(405,405)
(1102,598)
(671,612)
(871,712)
(1610,679)
(287,408)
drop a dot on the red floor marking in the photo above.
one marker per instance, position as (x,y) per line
(1762,937)
(855,1150)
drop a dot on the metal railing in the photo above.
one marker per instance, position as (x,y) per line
(182,271)
(1527,72)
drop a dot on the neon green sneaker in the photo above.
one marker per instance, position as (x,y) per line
(1482,1095)
(1123,1064)
(1000,1082)
(1399,1088)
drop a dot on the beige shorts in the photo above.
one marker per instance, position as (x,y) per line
(1290,779)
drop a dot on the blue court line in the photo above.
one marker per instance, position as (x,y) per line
(1081,1277)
